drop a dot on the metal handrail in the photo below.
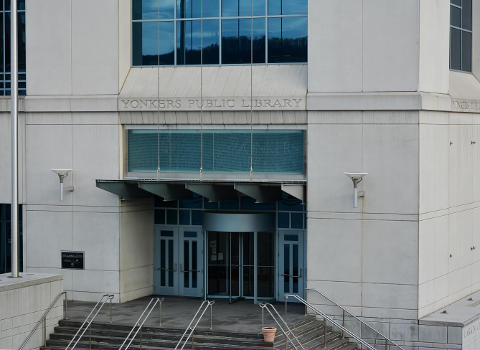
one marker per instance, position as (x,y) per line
(140,321)
(88,320)
(357,318)
(279,320)
(342,327)
(195,321)
(331,320)
(43,320)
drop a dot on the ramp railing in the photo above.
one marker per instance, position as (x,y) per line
(282,324)
(43,321)
(141,321)
(206,304)
(88,320)
(348,324)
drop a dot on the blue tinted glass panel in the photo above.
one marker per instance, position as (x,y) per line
(466,51)
(287,7)
(192,8)
(159,216)
(289,203)
(455,16)
(296,220)
(142,145)
(211,41)
(228,152)
(283,220)
(259,41)
(188,42)
(467,14)
(197,217)
(287,39)
(186,264)
(229,204)
(235,8)
(188,8)
(166,234)
(145,46)
(290,238)
(152,9)
(190,234)
(172,217)
(170,263)
(286,268)
(278,151)
(163,262)
(249,204)
(166,45)
(295,271)
(179,151)
(210,205)
(236,41)
(455,49)
(184,217)
(194,264)
(236,44)
(191,203)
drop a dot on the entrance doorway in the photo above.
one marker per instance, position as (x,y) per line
(241,265)
(178,265)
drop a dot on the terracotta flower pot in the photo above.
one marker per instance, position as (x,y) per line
(269,334)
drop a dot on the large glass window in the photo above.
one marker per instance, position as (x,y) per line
(461,35)
(5,67)
(193,32)
(233,151)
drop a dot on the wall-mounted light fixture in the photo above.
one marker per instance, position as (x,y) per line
(356,179)
(62,173)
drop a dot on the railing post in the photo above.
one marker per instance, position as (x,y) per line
(324,332)
(44,328)
(211,316)
(263,318)
(65,306)
(160,311)
(286,305)
(343,323)
(111,319)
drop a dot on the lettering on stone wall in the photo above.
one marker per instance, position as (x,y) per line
(462,105)
(471,336)
(234,103)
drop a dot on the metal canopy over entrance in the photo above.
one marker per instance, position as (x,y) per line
(261,192)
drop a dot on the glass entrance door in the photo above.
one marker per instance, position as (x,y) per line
(291,271)
(241,265)
(165,262)
(178,261)
(191,271)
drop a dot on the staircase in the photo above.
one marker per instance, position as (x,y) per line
(110,337)
(310,333)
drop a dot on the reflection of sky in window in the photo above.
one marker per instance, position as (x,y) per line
(210,33)
(149,38)
(288,7)
(232,8)
(166,37)
(191,8)
(152,9)
(287,28)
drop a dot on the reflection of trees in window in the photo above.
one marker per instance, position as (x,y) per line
(227,39)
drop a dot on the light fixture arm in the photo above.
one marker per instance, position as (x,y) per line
(62,173)
(356,179)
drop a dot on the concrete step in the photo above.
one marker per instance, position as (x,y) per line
(102,336)
(118,337)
